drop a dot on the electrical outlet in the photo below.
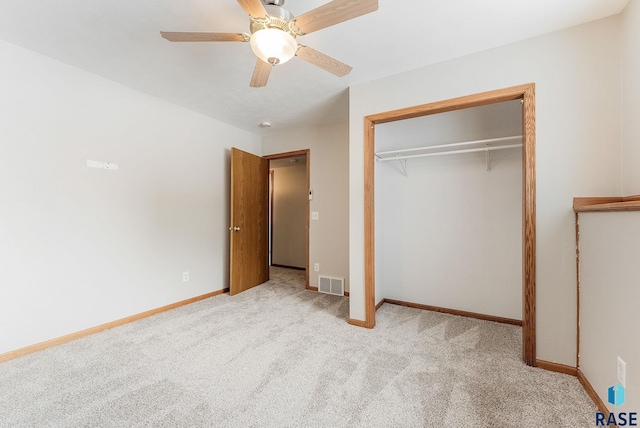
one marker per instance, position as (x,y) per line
(185,276)
(315,215)
(622,372)
(316,267)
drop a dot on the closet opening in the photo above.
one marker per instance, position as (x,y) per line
(289,211)
(458,208)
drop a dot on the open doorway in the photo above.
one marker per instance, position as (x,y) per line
(526,93)
(448,207)
(289,211)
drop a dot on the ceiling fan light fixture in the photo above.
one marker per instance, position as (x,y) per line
(273,46)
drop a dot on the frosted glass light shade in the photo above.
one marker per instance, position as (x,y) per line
(273,46)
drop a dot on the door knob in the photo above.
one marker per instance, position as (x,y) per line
(237,229)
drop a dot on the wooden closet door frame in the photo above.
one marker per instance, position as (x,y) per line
(526,93)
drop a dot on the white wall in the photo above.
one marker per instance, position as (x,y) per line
(609,296)
(329,163)
(449,234)
(578,110)
(289,216)
(79,246)
(630,95)
(610,249)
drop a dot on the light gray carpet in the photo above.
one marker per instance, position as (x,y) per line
(281,356)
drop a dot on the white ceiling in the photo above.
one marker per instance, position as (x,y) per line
(120,40)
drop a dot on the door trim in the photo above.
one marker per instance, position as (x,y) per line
(526,93)
(271,184)
(307,153)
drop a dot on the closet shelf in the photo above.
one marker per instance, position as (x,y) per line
(454,148)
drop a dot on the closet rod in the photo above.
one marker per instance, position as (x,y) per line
(450,152)
(444,146)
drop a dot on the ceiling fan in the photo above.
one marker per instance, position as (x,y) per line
(274,31)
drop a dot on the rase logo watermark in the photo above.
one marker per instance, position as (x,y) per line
(615,396)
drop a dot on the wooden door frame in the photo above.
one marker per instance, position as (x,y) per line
(307,154)
(271,186)
(526,93)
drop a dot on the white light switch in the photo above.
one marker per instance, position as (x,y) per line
(315,215)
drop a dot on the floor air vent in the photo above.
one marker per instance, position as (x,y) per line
(331,285)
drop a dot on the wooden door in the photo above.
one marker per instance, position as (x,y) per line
(249,240)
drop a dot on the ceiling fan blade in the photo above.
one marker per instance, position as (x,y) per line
(204,37)
(333,13)
(260,74)
(323,61)
(254,8)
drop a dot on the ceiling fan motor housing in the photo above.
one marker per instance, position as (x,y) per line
(277,17)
